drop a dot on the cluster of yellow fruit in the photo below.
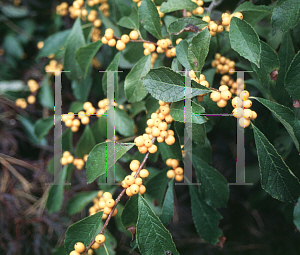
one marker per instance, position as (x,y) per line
(103,202)
(67,158)
(80,248)
(213,27)
(53,66)
(148,48)
(96,35)
(33,87)
(227,80)
(176,172)
(221,96)
(62,9)
(132,184)
(199,10)
(223,65)
(202,82)
(109,39)
(226,18)
(164,46)
(154,56)
(241,111)
(70,121)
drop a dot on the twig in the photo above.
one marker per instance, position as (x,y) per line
(17,29)
(213,4)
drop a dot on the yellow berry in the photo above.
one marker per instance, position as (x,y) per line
(244,95)
(225,21)
(134,188)
(120,45)
(175,163)
(226,95)
(125,38)
(112,42)
(153,148)
(155,131)
(97,23)
(169,162)
(85,120)
(79,247)
(31,99)
(129,180)
(74,253)
(179,177)
(143,149)
(178,170)
(178,40)
(206,19)
(134,35)
(244,122)
(247,104)
(215,96)
(144,173)
(96,245)
(164,110)
(170,140)
(100,238)
(222,103)
(138,181)
(238,112)
(110,202)
(254,115)
(128,192)
(247,114)
(142,189)
(170,174)
(139,141)
(106,196)
(236,102)
(104,40)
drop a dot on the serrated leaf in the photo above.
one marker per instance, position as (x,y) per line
(113,66)
(99,129)
(198,50)
(85,54)
(177,111)
(286,116)
(285,16)
(131,21)
(244,40)
(81,89)
(157,185)
(56,193)
(134,87)
(276,177)
(78,202)
(205,217)
(152,236)
(176,66)
(45,94)
(83,231)
(174,5)
(130,212)
(168,205)
(96,164)
(292,77)
(296,215)
(43,126)
(123,123)
(182,54)
(186,23)
(268,62)
(74,42)
(214,188)
(85,143)
(150,18)
(169,86)
(54,43)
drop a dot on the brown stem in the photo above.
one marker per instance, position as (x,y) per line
(117,201)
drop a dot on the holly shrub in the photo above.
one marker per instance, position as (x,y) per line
(235,63)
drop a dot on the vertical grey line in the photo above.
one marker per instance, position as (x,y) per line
(110,127)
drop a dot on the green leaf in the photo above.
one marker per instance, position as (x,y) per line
(85,54)
(45,94)
(198,50)
(96,164)
(54,43)
(43,126)
(113,66)
(156,186)
(168,205)
(67,140)
(81,89)
(134,87)
(177,112)
(173,151)
(286,117)
(123,123)
(56,193)
(205,217)
(152,236)
(198,133)
(285,16)
(292,77)
(99,129)
(130,213)
(150,18)
(276,177)
(296,215)
(13,46)
(285,54)
(83,231)
(74,42)
(169,86)
(109,247)
(76,106)
(85,143)
(109,24)
(268,62)
(174,5)
(176,66)
(131,21)
(12,11)
(182,54)
(180,24)
(244,40)
(78,202)
(214,188)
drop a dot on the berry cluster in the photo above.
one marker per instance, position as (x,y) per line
(241,109)
(62,9)
(221,96)
(164,46)
(67,158)
(53,66)
(226,18)
(213,27)
(199,10)
(33,87)
(223,65)
(78,249)
(176,172)
(132,184)
(96,34)
(202,82)
(71,121)
(103,202)
(227,80)
(154,56)
(109,39)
